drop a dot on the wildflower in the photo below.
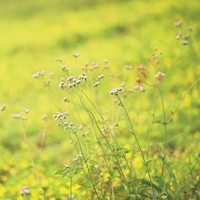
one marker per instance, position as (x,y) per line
(81,126)
(96,84)
(95,65)
(119,89)
(16,116)
(177,23)
(78,82)
(85,67)
(2,107)
(41,72)
(58,60)
(63,67)
(138,81)
(70,79)
(45,117)
(38,74)
(25,110)
(128,67)
(185,42)
(140,88)
(61,115)
(85,77)
(178,36)
(142,70)
(47,83)
(100,76)
(76,54)
(21,115)
(78,158)
(70,85)
(160,76)
(61,84)
(25,191)
(66,100)
(137,162)
(115,91)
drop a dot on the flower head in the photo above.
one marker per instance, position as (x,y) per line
(25,191)
(159,76)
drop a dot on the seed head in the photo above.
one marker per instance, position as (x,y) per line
(70,79)
(96,84)
(185,42)
(61,85)
(2,107)
(78,82)
(159,76)
(38,74)
(119,89)
(177,23)
(58,60)
(178,36)
(128,67)
(66,100)
(25,110)
(25,191)
(45,117)
(60,116)
(114,91)
(100,76)
(139,88)
(76,54)
(63,67)
(138,81)
(47,83)
(142,70)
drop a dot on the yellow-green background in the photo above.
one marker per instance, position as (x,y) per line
(33,33)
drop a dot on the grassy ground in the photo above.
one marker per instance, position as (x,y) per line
(127,33)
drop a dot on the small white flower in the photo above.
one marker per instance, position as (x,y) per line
(139,88)
(185,42)
(2,107)
(159,76)
(25,191)
(76,54)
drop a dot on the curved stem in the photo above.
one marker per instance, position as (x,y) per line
(137,142)
(107,142)
(92,104)
(85,160)
(87,166)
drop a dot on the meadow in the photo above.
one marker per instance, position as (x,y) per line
(99,99)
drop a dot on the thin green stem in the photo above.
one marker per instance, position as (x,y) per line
(92,103)
(165,128)
(85,160)
(87,166)
(137,142)
(102,119)
(107,142)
